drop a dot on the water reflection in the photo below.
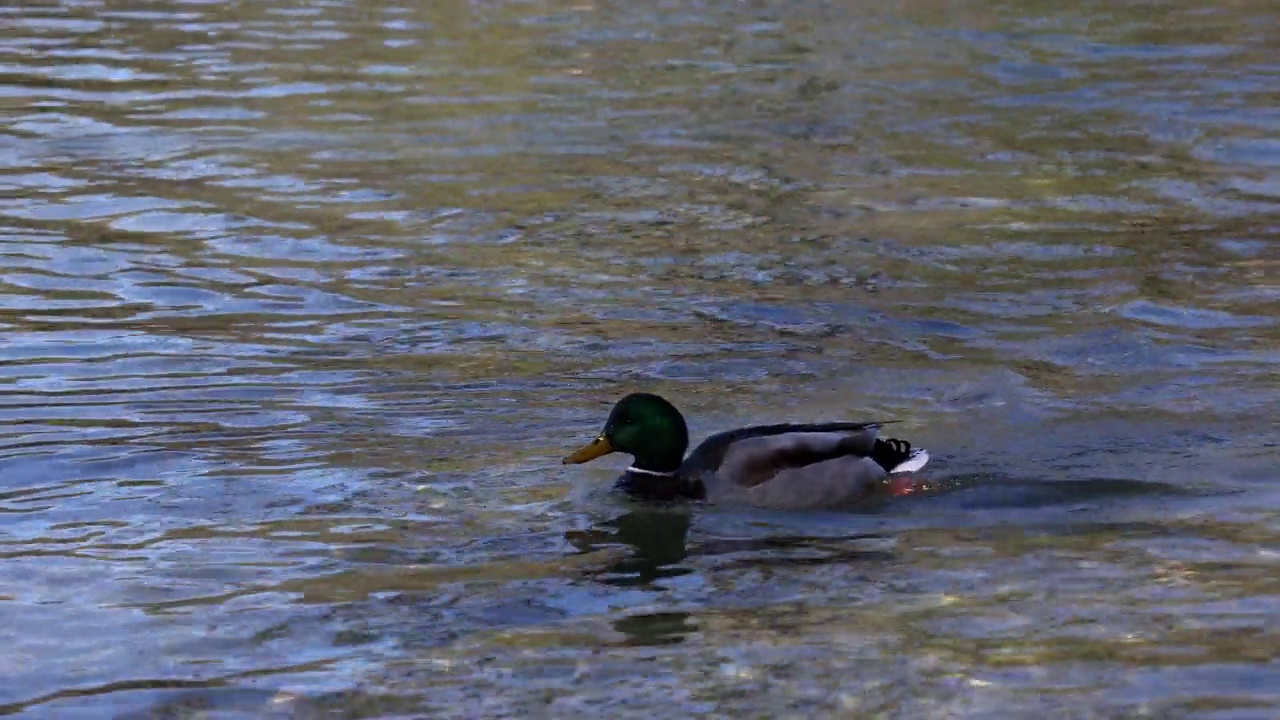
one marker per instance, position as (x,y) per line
(656,540)
(658,543)
(656,629)
(297,301)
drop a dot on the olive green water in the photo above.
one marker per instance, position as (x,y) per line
(302,302)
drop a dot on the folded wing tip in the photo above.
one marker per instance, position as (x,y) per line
(916,460)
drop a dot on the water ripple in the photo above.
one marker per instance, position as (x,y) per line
(301,305)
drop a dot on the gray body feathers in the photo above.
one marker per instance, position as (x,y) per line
(788,466)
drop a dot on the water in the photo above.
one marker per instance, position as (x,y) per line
(303,302)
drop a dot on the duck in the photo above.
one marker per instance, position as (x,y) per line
(793,466)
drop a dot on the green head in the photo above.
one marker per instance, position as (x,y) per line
(644,426)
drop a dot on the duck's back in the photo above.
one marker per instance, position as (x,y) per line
(789,466)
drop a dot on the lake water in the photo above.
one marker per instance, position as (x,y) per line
(301,303)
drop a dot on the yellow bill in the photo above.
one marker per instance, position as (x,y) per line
(590,451)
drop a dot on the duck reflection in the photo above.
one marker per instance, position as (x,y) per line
(659,544)
(658,540)
(664,628)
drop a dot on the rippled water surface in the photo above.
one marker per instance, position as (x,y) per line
(301,302)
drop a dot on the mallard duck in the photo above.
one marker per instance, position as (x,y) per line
(793,466)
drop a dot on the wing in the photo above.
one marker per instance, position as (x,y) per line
(752,456)
(834,483)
